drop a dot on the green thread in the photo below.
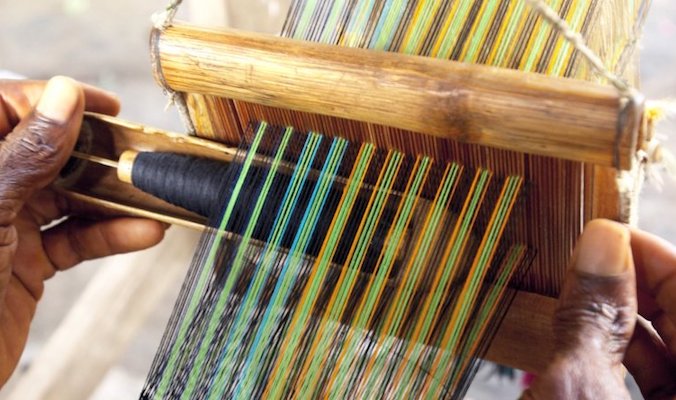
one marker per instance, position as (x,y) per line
(208,265)
(304,309)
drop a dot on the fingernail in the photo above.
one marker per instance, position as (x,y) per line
(603,249)
(59,99)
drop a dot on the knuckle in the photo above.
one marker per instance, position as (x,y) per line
(38,142)
(8,236)
(597,313)
(28,157)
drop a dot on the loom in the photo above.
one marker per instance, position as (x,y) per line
(350,69)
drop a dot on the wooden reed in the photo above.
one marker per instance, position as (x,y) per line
(525,112)
(560,195)
(97,185)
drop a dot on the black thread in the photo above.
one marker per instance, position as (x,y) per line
(196,184)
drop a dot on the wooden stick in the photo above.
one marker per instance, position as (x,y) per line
(94,179)
(525,112)
(525,339)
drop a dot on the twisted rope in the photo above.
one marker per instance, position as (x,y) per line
(578,42)
(652,153)
(161,21)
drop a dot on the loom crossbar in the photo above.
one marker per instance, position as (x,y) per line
(525,112)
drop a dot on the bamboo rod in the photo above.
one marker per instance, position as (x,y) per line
(525,112)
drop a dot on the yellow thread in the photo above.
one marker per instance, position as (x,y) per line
(360,308)
(322,252)
(389,320)
(325,321)
(456,311)
(415,336)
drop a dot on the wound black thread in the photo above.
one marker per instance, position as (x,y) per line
(203,186)
(196,184)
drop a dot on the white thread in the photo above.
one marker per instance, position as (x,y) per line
(163,19)
(580,45)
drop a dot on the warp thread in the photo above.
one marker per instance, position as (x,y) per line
(634,39)
(652,154)
(233,335)
(578,42)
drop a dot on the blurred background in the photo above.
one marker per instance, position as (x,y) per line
(105,44)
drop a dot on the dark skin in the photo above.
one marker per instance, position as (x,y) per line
(616,274)
(37,138)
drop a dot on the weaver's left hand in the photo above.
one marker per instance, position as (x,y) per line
(39,125)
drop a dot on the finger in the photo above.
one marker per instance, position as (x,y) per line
(100,101)
(50,204)
(18,98)
(596,312)
(647,307)
(665,327)
(77,240)
(655,261)
(34,152)
(649,363)
(8,246)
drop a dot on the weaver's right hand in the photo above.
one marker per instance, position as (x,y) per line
(616,272)
(39,124)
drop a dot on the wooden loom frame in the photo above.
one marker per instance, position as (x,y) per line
(524,338)
(616,127)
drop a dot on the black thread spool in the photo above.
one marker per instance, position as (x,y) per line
(196,184)
(203,186)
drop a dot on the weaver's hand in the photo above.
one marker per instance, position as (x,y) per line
(39,125)
(615,272)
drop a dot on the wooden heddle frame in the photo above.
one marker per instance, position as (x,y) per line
(575,139)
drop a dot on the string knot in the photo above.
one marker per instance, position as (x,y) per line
(653,155)
(163,19)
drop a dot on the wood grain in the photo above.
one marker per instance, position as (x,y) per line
(530,113)
(525,339)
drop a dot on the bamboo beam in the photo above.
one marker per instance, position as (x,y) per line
(525,112)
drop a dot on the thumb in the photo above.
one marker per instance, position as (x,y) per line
(32,154)
(594,319)
(596,313)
